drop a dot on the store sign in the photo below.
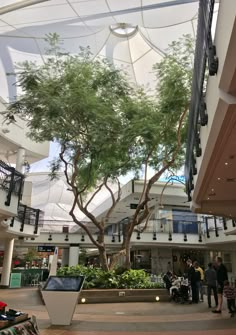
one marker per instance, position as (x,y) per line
(15,280)
(46,248)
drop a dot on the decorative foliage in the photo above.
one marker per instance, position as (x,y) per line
(97,278)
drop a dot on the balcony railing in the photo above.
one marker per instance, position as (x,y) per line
(28,216)
(11,181)
(204,51)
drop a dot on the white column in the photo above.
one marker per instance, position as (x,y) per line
(65,257)
(6,269)
(20,158)
(73,255)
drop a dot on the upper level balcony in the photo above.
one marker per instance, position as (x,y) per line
(11,188)
(15,218)
(26,222)
(207,231)
(211,157)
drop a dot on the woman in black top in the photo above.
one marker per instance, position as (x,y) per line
(222,275)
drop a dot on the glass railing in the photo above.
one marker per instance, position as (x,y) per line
(28,216)
(11,181)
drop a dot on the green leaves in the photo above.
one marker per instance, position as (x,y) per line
(90,107)
(97,278)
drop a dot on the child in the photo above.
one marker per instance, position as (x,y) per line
(229,293)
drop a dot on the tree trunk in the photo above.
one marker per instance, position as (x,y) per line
(127,255)
(126,245)
(103,259)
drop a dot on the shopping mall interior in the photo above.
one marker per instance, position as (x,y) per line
(169,210)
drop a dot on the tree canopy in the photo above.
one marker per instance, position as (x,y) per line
(106,126)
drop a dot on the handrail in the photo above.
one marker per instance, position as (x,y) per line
(11,181)
(29,216)
(204,51)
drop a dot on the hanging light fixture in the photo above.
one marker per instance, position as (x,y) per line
(200,238)
(138,236)
(224,223)
(154,236)
(67,238)
(82,238)
(50,237)
(170,237)
(113,239)
(185,238)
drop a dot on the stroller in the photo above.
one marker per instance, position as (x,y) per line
(181,294)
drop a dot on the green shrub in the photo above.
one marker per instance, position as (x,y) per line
(120,278)
(134,279)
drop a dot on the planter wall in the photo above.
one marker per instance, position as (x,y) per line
(123,295)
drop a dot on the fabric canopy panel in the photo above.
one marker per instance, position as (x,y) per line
(133,35)
(55,199)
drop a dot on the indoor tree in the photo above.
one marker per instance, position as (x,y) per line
(106,127)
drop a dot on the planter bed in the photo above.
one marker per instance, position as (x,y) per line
(95,296)
(123,295)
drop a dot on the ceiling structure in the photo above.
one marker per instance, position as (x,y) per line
(133,35)
(55,199)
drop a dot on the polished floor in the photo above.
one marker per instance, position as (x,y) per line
(127,318)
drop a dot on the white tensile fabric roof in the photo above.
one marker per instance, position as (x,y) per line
(55,199)
(132,34)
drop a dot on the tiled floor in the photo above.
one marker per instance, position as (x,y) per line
(128,318)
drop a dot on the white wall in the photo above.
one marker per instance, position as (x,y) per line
(16,135)
(27,193)
(160,259)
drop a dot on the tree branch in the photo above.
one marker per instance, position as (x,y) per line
(145,176)
(75,190)
(157,175)
(116,257)
(94,194)
(79,223)
(146,223)
(61,155)
(114,201)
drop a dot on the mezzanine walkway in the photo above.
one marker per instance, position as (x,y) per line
(126,318)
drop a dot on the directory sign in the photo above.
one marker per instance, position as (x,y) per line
(64,283)
(46,248)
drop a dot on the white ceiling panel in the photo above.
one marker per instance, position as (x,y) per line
(83,23)
(169,15)
(84,8)
(42,14)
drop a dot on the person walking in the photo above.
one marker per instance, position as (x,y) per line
(211,281)
(200,281)
(222,275)
(193,281)
(229,293)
